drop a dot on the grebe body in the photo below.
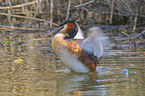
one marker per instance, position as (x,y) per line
(81,57)
(68,52)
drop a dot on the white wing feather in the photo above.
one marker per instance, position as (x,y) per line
(95,42)
(79,34)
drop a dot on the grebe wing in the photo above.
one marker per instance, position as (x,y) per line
(95,42)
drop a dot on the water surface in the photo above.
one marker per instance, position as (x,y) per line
(28,67)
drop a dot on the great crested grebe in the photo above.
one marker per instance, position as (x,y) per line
(81,57)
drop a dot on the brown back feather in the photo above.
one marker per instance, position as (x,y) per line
(89,60)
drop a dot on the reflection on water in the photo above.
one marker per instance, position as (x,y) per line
(82,84)
(29,67)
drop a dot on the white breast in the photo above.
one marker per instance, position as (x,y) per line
(72,63)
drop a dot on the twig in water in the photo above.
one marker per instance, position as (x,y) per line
(125,34)
(136,17)
(134,37)
(26,17)
(3,27)
(38,6)
(84,4)
(51,13)
(112,9)
(68,9)
(9,10)
(21,5)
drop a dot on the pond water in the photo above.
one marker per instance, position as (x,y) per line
(28,67)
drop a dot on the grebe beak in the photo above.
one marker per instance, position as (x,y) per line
(54,31)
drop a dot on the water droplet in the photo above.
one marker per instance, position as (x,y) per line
(131,64)
(134,72)
(98,81)
(125,72)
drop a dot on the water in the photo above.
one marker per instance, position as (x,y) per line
(28,67)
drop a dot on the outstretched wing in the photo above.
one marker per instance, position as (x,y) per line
(95,42)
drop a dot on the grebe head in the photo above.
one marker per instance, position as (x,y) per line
(68,28)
